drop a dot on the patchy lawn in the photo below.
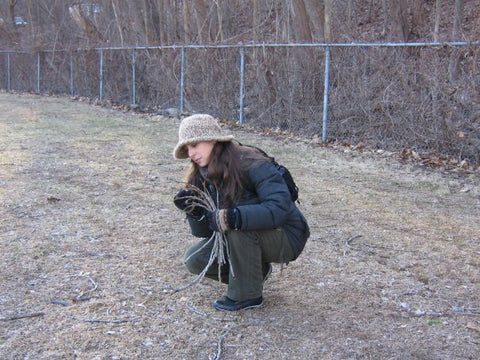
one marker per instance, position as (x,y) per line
(90,243)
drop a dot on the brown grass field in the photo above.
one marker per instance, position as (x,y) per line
(90,243)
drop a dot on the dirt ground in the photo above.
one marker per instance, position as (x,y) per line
(91,242)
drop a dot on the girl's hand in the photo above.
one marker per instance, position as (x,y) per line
(185,201)
(224,219)
(216,222)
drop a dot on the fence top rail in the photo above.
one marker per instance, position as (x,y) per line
(260,45)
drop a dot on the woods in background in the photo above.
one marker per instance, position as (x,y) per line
(425,99)
(48,23)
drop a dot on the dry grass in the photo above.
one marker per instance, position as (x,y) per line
(89,240)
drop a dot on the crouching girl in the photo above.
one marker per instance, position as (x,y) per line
(254,211)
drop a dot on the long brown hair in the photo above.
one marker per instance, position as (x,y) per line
(227,170)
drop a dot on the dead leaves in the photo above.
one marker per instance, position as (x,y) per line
(436,161)
(473,326)
(406,155)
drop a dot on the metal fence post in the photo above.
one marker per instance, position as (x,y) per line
(182,79)
(38,72)
(325,94)
(71,75)
(100,96)
(134,95)
(8,72)
(242,85)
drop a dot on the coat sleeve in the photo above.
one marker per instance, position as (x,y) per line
(272,203)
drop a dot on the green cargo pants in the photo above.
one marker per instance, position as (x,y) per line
(250,253)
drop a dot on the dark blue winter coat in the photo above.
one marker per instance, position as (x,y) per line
(264,205)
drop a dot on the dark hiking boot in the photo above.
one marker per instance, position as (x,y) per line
(228,304)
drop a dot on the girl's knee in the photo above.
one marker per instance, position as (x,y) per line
(192,267)
(242,236)
(194,263)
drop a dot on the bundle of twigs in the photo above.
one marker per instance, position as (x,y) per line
(220,250)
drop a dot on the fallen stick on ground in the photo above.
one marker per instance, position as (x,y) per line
(349,242)
(101,321)
(17,317)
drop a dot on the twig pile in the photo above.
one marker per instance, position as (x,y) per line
(220,250)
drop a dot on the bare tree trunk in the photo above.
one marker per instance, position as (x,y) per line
(135,28)
(153,17)
(418,15)
(385,18)
(280,27)
(152,20)
(85,24)
(301,27)
(117,21)
(13,33)
(201,20)
(437,21)
(458,19)
(33,29)
(219,33)
(328,18)
(169,17)
(161,21)
(146,26)
(315,12)
(400,19)
(457,23)
(255,21)
(350,14)
(186,37)
(11,10)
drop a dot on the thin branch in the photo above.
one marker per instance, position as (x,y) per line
(59,302)
(121,321)
(220,249)
(83,296)
(24,316)
(201,274)
(349,242)
(95,132)
(221,339)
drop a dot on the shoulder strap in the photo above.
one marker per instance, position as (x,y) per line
(259,150)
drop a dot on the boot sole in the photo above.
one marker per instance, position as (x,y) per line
(250,307)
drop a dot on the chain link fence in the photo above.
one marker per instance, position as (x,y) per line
(421,96)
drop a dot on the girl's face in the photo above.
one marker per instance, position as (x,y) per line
(201,152)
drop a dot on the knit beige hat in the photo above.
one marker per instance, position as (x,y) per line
(196,128)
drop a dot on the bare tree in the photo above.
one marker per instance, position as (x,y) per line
(400,19)
(186,30)
(350,13)
(54,24)
(300,26)
(457,23)
(385,17)
(437,21)
(11,8)
(9,30)
(328,21)
(255,20)
(418,14)
(117,21)
(316,16)
(162,21)
(201,20)
(156,7)
(219,33)
(84,23)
